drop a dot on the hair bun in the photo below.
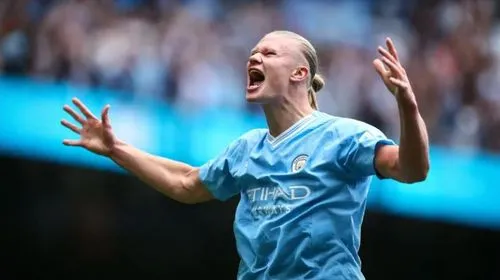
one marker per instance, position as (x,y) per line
(317,83)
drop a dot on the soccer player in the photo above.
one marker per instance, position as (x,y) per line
(303,181)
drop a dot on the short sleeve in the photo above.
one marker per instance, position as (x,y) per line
(217,173)
(359,150)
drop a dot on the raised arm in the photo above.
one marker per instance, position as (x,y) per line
(409,162)
(177,180)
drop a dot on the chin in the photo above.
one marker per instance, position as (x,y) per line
(254,96)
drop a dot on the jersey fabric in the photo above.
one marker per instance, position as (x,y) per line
(303,197)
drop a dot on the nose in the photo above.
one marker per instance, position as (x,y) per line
(254,59)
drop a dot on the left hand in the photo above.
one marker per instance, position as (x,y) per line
(392,72)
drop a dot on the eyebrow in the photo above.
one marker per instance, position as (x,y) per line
(266,49)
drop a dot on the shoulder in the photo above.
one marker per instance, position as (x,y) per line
(252,137)
(240,147)
(248,140)
(343,127)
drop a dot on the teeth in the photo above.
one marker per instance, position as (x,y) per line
(254,72)
(256,78)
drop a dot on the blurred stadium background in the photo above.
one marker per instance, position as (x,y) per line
(174,74)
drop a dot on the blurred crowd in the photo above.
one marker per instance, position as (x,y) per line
(192,54)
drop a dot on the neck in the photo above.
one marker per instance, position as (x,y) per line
(283,115)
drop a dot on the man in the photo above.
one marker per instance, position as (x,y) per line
(303,181)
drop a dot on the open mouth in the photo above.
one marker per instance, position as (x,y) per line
(256,78)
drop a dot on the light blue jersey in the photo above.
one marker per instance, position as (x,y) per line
(303,197)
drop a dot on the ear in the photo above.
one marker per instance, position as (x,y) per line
(299,74)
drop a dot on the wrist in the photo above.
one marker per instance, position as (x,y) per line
(115,149)
(407,102)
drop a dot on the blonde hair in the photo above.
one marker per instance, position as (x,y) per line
(316,82)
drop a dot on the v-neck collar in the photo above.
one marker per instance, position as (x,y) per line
(292,130)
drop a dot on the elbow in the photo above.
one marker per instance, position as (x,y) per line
(186,196)
(415,179)
(189,201)
(191,190)
(418,175)
(194,198)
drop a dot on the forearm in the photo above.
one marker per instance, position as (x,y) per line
(414,142)
(167,176)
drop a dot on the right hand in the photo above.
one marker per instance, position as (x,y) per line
(95,135)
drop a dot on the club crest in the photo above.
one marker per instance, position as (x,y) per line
(299,163)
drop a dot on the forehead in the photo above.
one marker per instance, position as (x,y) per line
(281,43)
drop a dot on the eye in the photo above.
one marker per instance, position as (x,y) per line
(270,53)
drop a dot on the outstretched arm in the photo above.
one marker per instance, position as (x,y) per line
(409,162)
(177,180)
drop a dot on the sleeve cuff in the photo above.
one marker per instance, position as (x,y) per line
(380,144)
(204,175)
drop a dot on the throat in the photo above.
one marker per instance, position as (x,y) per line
(279,120)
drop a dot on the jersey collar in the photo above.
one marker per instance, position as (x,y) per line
(291,131)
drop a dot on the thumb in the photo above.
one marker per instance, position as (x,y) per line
(380,67)
(105,116)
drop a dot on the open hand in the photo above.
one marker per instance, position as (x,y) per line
(95,135)
(392,72)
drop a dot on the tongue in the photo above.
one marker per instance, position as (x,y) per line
(255,85)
